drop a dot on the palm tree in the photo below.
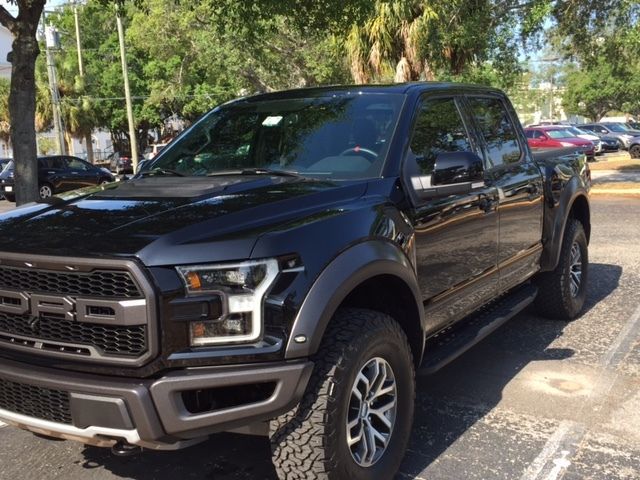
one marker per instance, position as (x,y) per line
(387,44)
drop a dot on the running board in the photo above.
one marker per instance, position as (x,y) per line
(452,342)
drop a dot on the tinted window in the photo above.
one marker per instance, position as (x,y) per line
(538,134)
(497,129)
(438,129)
(75,164)
(529,134)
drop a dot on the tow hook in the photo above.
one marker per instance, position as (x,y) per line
(125,449)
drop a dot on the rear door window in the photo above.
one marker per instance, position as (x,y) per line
(498,130)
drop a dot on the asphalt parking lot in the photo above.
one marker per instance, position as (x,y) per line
(538,400)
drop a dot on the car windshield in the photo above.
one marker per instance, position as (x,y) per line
(8,166)
(617,128)
(342,136)
(563,133)
(576,131)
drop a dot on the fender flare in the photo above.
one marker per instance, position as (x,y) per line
(345,272)
(551,252)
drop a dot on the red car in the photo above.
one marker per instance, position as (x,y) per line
(558,137)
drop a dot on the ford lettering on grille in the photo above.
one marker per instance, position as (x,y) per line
(88,310)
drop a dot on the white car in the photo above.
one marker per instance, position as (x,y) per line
(587,136)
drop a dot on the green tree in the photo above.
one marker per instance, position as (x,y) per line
(458,40)
(594,90)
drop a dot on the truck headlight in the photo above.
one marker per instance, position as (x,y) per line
(242,287)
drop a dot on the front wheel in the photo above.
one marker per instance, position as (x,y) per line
(562,292)
(355,417)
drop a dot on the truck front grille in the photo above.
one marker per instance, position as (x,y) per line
(99,283)
(102,310)
(108,339)
(33,401)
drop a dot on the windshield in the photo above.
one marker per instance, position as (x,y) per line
(338,137)
(577,131)
(564,133)
(614,127)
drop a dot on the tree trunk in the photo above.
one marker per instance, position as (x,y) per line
(22,96)
(22,109)
(89,146)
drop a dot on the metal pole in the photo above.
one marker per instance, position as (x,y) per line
(87,138)
(55,97)
(127,94)
(75,16)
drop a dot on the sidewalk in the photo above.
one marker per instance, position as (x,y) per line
(615,182)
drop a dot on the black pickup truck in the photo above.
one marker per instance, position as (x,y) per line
(286,267)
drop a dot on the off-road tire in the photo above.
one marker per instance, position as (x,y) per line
(555,299)
(309,442)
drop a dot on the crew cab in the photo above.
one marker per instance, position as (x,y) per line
(286,267)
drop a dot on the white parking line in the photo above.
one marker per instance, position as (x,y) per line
(555,457)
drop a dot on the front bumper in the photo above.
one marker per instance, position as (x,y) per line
(151,413)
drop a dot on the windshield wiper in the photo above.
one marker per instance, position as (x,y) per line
(160,171)
(257,171)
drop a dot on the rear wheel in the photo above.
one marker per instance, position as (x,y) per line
(355,417)
(634,151)
(562,292)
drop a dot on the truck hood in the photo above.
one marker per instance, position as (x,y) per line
(164,220)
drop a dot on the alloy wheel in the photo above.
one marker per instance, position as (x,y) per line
(372,412)
(45,191)
(575,269)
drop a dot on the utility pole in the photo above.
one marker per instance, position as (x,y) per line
(51,42)
(127,93)
(87,138)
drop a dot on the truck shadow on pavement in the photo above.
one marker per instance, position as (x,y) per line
(448,405)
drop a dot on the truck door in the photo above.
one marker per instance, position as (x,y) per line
(456,236)
(519,183)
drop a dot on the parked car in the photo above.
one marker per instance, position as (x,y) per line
(634,147)
(558,137)
(152,150)
(122,163)
(616,130)
(592,137)
(57,174)
(3,163)
(609,143)
(284,270)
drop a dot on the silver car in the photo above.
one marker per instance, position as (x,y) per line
(624,135)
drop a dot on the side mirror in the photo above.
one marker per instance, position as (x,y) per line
(454,173)
(457,167)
